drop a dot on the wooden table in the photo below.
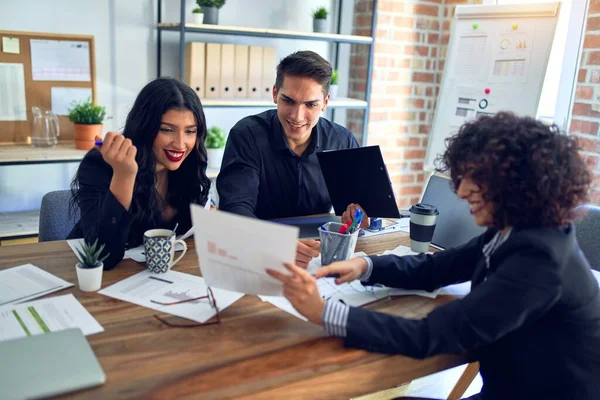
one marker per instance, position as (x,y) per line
(258,351)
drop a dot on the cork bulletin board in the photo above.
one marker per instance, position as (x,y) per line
(45,75)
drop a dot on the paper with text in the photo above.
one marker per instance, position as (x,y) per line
(234,251)
(46,315)
(60,60)
(148,290)
(11,45)
(12,96)
(26,282)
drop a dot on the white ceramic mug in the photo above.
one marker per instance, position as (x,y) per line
(159,249)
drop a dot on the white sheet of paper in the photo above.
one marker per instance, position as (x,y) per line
(235,251)
(27,282)
(136,253)
(11,45)
(470,58)
(46,315)
(401,226)
(62,98)
(13,106)
(145,287)
(60,60)
(597,276)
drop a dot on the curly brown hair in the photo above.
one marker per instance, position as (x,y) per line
(531,172)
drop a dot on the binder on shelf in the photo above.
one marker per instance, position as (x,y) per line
(227,70)
(241,71)
(213,70)
(268,72)
(255,60)
(194,67)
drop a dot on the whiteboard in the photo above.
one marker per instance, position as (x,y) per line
(497,59)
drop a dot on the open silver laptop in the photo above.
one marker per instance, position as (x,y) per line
(47,365)
(455,225)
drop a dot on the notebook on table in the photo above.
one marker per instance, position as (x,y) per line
(47,365)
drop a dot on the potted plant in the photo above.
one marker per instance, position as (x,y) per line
(333,86)
(215,145)
(88,123)
(90,266)
(197,16)
(210,8)
(320,20)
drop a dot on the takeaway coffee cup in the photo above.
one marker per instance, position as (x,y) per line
(422,225)
(159,248)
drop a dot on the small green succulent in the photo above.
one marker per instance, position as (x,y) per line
(215,139)
(334,77)
(320,13)
(88,256)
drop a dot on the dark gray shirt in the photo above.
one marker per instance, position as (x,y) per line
(262,177)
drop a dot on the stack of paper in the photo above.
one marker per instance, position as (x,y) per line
(148,290)
(26,282)
(46,315)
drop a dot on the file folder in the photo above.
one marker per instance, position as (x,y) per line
(268,72)
(227,70)
(213,70)
(255,60)
(194,67)
(241,71)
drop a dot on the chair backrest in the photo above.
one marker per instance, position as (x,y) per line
(587,229)
(55,221)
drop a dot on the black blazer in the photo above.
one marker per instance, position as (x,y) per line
(532,319)
(103,217)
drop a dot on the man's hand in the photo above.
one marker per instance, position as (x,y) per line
(348,215)
(301,290)
(306,250)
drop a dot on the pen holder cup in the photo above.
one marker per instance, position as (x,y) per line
(336,246)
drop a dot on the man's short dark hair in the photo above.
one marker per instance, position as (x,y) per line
(305,64)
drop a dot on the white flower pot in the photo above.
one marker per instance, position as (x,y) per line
(320,26)
(197,18)
(90,279)
(215,156)
(333,91)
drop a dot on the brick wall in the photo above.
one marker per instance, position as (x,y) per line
(585,121)
(411,43)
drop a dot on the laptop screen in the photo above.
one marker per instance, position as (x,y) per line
(455,225)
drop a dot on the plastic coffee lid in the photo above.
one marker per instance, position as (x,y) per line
(424,209)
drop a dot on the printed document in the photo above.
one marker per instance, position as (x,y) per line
(235,251)
(26,282)
(46,315)
(155,290)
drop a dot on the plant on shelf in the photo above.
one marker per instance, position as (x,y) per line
(333,86)
(320,20)
(87,118)
(90,265)
(210,8)
(215,146)
(197,16)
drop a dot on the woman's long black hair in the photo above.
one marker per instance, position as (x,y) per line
(189,183)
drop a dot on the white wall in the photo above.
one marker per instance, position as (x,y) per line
(125,40)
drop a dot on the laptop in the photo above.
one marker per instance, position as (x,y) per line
(47,365)
(359,176)
(455,225)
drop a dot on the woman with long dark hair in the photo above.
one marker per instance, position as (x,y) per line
(146,177)
(532,318)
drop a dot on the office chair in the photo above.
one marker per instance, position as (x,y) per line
(587,229)
(55,221)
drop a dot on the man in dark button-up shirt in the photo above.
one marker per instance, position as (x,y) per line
(270,167)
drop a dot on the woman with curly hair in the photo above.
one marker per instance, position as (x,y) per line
(146,177)
(532,318)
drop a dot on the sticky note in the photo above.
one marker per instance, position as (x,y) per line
(10,45)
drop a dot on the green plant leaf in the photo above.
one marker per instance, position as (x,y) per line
(85,112)
(215,138)
(211,3)
(334,77)
(320,13)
